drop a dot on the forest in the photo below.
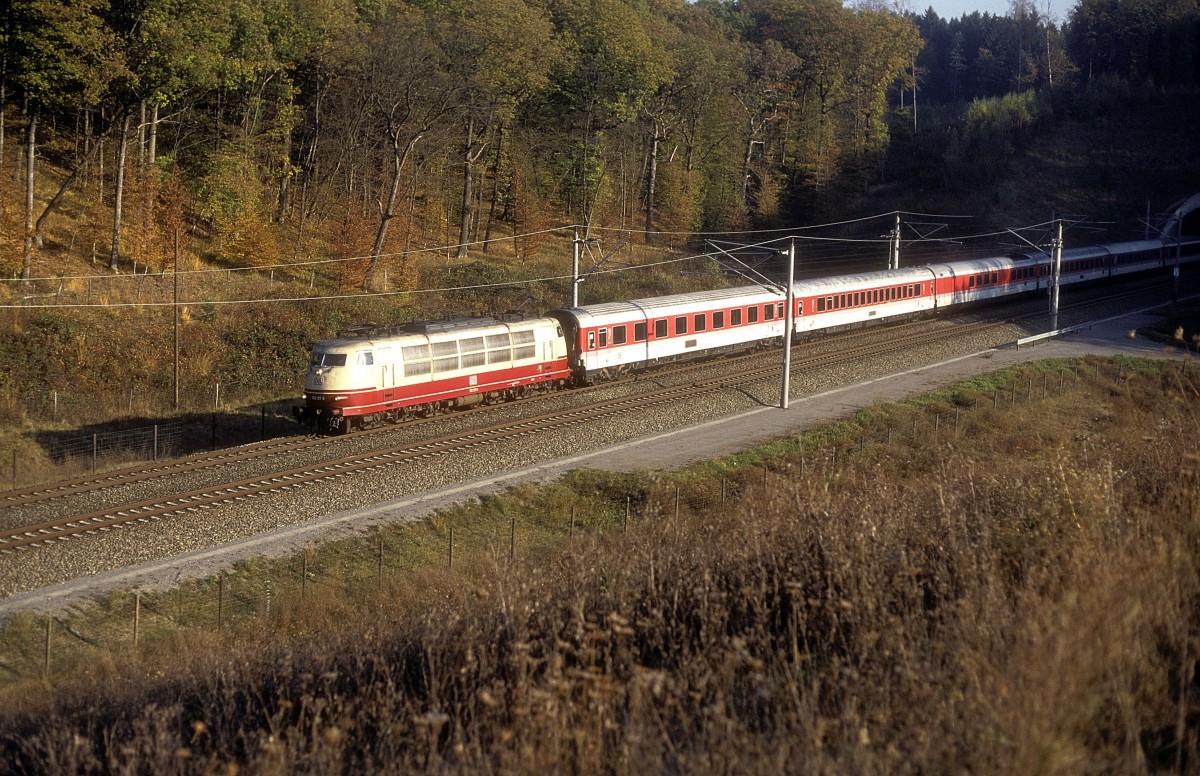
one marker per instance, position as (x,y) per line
(265,131)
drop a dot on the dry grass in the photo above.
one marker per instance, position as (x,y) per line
(1021,597)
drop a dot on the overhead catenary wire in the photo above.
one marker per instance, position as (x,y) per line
(831,258)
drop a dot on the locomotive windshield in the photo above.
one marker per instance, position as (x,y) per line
(328,359)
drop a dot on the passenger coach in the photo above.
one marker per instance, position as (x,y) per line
(608,340)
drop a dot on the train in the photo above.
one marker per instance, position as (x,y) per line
(372,375)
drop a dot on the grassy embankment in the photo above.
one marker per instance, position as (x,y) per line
(1017,594)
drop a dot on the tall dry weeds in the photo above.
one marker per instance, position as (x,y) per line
(1021,598)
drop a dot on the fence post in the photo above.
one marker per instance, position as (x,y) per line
(451,564)
(54,412)
(625,522)
(512,539)
(380,566)
(220,600)
(937,422)
(137,617)
(95,450)
(217,397)
(155,443)
(14,469)
(304,579)
(262,428)
(677,494)
(46,662)
(571,531)
(722,494)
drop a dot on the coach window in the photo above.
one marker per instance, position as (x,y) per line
(768,312)
(618,335)
(660,328)
(701,322)
(681,325)
(820,304)
(735,317)
(591,340)
(752,312)
(719,319)
(779,309)
(604,338)
(995,277)
(639,332)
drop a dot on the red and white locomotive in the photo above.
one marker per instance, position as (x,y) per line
(371,376)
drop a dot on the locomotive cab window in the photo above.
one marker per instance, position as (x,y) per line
(366,358)
(660,328)
(329,359)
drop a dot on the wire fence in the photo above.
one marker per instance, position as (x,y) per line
(56,455)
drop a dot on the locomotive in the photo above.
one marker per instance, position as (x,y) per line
(369,375)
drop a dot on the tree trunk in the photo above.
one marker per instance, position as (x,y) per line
(142,140)
(3,102)
(40,227)
(387,211)
(30,155)
(651,179)
(122,148)
(467,175)
(152,155)
(491,217)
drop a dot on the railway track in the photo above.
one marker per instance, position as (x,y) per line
(752,369)
(61,529)
(94,483)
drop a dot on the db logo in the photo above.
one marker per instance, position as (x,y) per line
(319,381)
(473,380)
